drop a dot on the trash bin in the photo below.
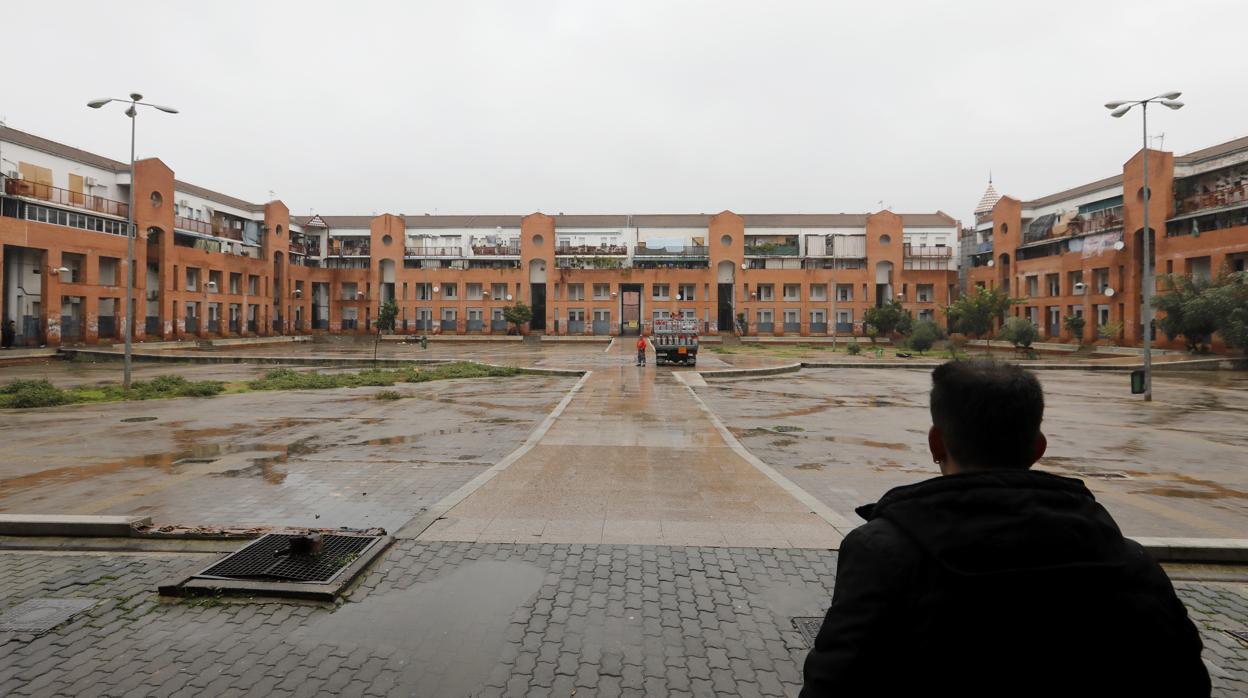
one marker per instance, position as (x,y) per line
(1137,382)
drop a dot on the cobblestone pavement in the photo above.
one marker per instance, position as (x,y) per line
(446,619)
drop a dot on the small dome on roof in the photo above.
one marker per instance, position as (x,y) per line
(988,200)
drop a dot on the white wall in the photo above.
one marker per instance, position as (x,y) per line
(106,180)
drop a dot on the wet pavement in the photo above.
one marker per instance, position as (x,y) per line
(1175,467)
(633,459)
(324,458)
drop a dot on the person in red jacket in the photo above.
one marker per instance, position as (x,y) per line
(641,350)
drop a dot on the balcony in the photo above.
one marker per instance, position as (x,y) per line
(565,250)
(349,248)
(1227,196)
(496,250)
(918,251)
(191,225)
(683,251)
(455,251)
(65,197)
(771,249)
(982,247)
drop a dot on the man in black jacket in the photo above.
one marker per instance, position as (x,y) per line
(994,579)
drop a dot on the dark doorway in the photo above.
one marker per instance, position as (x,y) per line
(630,309)
(726,322)
(537,293)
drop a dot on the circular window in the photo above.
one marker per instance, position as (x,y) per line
(725,240)
(386,240)
(885,239)
(279,230)
(537,240)
(157,199)
(1139,195)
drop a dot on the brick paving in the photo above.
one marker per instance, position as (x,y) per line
(435,619)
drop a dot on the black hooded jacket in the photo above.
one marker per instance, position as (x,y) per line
(1002,583)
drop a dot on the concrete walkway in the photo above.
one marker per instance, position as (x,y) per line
(634,459)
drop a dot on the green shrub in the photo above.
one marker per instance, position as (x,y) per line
(388,395)
(923,334)
(1020,332)
(854,348)
(33,393)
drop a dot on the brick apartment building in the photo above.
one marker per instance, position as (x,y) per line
(1079,251)
(212,265)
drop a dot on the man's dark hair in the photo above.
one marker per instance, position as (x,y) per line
(988,413)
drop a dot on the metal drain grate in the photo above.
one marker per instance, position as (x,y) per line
(267,558)
(41,615)
(808,626)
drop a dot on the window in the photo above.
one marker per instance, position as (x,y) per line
(845,292)
(214,281)
(765,317)
(1102,314)
(925,292)
(1100,279)
(602,292)
(497,314)
(660,292)
(576,292)
(1054,284)
(349,290)
(1033,285)
(844,317)
(689,313)
(766,292)
(791,317)
(450,291)
(424,292)
(818,292)
(792,292)
(687,292)
(818,317)
(236,281)
(192,279)
(475,314)
(576,315)
(602,315)
(253,285)
(927,314)
(498,292)
(660,314)
(450,314)
(474,293)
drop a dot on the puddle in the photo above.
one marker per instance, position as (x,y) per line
(457,621)
(1207,489)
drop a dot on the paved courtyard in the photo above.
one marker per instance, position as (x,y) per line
(633,532)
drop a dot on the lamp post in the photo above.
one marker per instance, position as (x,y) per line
(132,111)
(1169,100)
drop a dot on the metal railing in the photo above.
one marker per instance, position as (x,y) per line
(1227,196)
(192,225)
(930,252)
(496,250)
(771,250)
(591,250)
(359,249)
(65,197)
(682,251)
(433,251)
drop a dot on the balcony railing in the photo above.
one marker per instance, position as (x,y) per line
(65,197)
(1228,196)
(982,247)
(496,250)
(434,251)
(359,249)
(929,252)
(591,250)
(193,226)
(770,249)
(681,251)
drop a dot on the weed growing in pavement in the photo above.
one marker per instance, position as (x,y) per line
(388,395)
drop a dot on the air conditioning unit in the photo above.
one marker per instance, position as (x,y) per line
(89,181)
(1079,288)
(13,174)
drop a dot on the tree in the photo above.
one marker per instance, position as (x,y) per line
(386,315)
(1020,332)
(518,314)
(1075,324)
(975,313)
(923,335)
(1232,302)
(888,318)
(1192,307)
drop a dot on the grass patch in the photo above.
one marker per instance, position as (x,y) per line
(388,395)
(289,379)
(24,394)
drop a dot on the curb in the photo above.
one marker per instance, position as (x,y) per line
(71,525)
(765,371)
(1209,550)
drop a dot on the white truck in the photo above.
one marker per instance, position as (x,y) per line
(675,341)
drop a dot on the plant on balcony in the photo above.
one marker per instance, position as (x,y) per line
(602,263)
(518,314)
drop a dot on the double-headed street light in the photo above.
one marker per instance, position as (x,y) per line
(1170,100)
(132,111)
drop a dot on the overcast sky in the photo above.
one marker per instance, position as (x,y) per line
(641,107)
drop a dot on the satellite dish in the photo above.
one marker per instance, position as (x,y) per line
(744,265)
(991,263)
(508,296)
(1109,291)
(435,289)
(1119,245)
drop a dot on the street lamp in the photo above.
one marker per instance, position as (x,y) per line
(132,111)
(1118,109)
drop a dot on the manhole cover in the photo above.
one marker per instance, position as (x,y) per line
(139,419)
(41,615)
(267,558)
(808,626)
